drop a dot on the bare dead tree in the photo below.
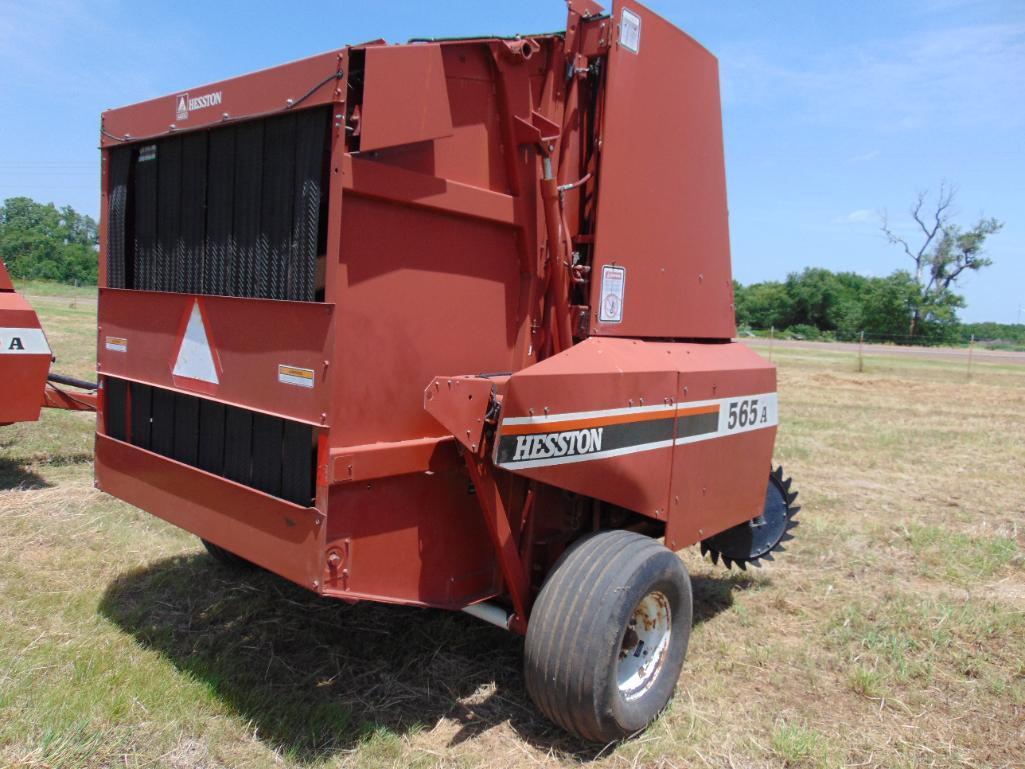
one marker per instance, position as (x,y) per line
(943,251)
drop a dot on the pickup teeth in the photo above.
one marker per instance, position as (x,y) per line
(734,545)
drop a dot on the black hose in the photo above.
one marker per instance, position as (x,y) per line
(71,381)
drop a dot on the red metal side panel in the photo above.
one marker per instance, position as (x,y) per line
(420,292)
(284,538)
(140,335)
(721,482)
(413,539)
(405,96)
(24,359)
(662,204)
(269,90)
(597,375)
(659,428)
(718,484)
(5,278)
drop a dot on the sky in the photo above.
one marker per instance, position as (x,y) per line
(833,112)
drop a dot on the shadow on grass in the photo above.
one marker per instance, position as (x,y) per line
(316,676)
(14,475)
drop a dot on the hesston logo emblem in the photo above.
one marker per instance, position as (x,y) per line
(184,104)
(526,442)
(567,444)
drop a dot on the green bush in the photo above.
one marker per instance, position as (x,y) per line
(42,242)
(804,331)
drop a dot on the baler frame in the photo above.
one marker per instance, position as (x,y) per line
(292,260)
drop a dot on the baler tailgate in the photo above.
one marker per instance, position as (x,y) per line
(267,356)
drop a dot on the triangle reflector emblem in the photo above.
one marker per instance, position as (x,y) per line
(195,355)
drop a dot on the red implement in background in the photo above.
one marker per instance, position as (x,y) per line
(25,359)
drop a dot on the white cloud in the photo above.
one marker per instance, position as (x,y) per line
(864,157)
(861,216)
(963,76)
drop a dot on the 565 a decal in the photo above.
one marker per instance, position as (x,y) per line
(747,412)
(555,439)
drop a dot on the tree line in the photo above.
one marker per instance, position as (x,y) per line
(817,303)
(917,305)
(39,241)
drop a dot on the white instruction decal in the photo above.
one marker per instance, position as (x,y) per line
(613,286)
(630,31)
(116,344)
(292,375)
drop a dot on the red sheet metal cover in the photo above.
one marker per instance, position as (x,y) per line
(279,536)
(662,258)
(264,355)
(24,360)
(405,97)
(653,427)
(268,90)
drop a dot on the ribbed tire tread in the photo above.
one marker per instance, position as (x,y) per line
(578,620)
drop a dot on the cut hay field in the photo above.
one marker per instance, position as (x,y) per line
(891,634)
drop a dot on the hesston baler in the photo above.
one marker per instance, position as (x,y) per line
(449,324)
(26,383)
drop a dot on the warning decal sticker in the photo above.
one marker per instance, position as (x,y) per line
(613,286)
(195,356)
(630,31)
(116,344)
(293,375)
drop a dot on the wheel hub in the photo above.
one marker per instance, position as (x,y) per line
(644,647)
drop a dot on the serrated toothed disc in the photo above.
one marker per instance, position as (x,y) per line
(751,540)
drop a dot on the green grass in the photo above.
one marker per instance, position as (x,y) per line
(797,746)
(889,634)
(49,288)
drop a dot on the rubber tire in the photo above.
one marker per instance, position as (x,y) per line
(577,626)
(226,557)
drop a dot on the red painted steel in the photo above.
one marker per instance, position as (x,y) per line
(277,535)
(251,338)
(381,460)
(24,356)
(405,97)
(698,487)
(241,98)
(662,142)
(73,400)
(414,539)
(475,191)
(461,405)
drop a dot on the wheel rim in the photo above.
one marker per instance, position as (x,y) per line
(645,646)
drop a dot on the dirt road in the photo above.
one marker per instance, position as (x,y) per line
(950,354)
